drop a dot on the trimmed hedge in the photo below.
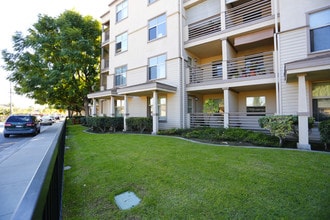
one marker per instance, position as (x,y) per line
(224,134)
(324,128)
(139,124)
(105,124)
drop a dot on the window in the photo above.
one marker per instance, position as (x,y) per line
(157,67)
(121,11)
(321,100)
(217,69)
(320,30)
(162,107)
(255,105)
(121,43)
(157,27)
(120,74)
(119,108)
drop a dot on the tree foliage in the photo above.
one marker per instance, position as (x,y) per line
(57,62)
(278,125)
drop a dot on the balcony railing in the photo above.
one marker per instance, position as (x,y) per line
(106,36)
(204,27)
(205,73)
(105,64)
(206,120)
(241,67)
(253,65)
(246,120)
(247,12)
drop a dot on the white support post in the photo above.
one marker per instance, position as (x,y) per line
(94,108)
(155,115)
(125,112)
(303,114)
(112,107)
(226,107)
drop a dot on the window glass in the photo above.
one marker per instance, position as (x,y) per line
(320,30)
(121,43)
(255,105)
(157,27)
(120,74)
(119,108)
(157,67)
(162,107)
(121,11)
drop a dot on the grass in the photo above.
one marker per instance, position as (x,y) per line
(178,179)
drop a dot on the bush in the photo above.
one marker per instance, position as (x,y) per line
(224,134)
(278,125)
(139,124)
(104,124)
(324,128)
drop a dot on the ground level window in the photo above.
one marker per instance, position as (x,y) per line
(162,107)
(256,105)
(321,101)
(119,108)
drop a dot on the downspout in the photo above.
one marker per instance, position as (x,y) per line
(182,71)
(277,62)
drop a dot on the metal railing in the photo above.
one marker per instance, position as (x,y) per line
(206,120)
(204,27)
(105,63)
(43,197)
(246,120)
(248,12)
(253,65)
(205,73)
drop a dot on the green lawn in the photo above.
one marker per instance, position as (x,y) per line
(178,179)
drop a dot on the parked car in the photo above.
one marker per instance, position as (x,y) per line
(46,120)
(21,124)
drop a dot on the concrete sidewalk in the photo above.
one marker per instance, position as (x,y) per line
(18,169)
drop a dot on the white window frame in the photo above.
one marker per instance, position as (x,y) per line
(317,22)
(162,107)
(122,11)
(121,43)
(121,73)
(157,63)
(156,23)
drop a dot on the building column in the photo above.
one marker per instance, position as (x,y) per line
(112,107)
(303,114)
(226,107)
(94,108)
(155,114)
(125,112)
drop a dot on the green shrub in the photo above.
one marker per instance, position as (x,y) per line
(278,125)
(224,134)
(139,124)
(104,124)
(324,128)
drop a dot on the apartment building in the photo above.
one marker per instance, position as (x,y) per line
(218,63)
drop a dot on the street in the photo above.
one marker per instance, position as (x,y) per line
(9,146)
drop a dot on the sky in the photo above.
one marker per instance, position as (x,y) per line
(20,15)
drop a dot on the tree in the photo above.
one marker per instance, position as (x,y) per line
(57,62)
(278,125)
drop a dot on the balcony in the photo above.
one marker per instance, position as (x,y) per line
(250,66)
(204,27)
(106,37)
(247,120)
(205,73)
(105,65)
(248,12)
(244,120)
(206,120)
(243,68)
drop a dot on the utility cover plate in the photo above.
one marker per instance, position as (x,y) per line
(127,200)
